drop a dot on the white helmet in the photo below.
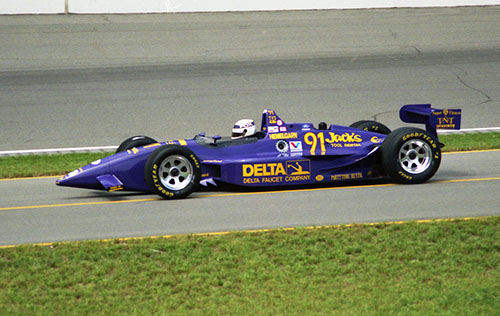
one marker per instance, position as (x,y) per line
(243,128)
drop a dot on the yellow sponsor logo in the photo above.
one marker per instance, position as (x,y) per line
(263,170)
(290,168)
(375,140)
(344,138)
(292,135)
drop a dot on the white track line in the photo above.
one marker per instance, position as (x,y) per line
(58,150)
(113,148)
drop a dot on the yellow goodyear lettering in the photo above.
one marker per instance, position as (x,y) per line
(404,175)
(196,162)
(421,136)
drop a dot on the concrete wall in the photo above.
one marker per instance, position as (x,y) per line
(31,6)
(163,6)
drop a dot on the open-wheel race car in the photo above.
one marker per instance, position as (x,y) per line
(279,154)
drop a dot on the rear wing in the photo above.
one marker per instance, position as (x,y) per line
(433,119)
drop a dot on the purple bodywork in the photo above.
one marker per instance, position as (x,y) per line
(279,154)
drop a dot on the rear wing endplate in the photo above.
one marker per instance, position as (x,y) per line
(433,119)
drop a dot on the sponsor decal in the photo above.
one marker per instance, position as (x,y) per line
(346,176)
(277,172)
(279,122)
(335,140)
(282,146)
(95,163)
(375,140)
(447,119)
(319,178)
(344,138)
(296,146)
(273,129)
(283,129)
(116,188)
(283,135)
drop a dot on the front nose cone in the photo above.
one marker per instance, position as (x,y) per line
(80,179)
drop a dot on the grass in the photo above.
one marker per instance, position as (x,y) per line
(47,165)
(472,141)
(434,268)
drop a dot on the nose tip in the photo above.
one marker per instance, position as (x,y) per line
(80,178)
(65,180)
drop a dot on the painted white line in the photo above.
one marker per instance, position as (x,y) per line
(58,150)
(113,148)
(469,130)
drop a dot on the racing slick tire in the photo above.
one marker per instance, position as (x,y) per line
(135,141)
(172,171)
(410,155)
(371,126)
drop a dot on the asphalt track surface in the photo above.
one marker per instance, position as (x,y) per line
(75,81)
(36,211)
(94,80)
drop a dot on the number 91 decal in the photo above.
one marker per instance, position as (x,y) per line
(335,140)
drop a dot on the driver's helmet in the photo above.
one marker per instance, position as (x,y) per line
(243,128)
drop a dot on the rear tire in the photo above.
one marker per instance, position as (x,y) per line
(371,126)
(135,141)
(410,155)
(172,171)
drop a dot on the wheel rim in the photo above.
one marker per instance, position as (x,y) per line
(175,172)
(415,156)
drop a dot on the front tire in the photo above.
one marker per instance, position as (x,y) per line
(135,141)
(410,155)
(172,172)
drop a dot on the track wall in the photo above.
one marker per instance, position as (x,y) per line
(171,6)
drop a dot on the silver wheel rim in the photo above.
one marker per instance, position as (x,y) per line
(175,172)
(415,156)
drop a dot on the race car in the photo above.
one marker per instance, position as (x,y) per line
(279,154)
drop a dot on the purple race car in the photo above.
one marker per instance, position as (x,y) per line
(278,154)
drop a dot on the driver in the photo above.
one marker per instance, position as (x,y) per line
(243,128)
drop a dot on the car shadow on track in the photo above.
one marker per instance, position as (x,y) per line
(221,188)
(227,188)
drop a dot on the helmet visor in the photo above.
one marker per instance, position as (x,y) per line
(238,134)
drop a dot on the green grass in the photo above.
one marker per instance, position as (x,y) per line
(47,165)
(435,268)
(472,141)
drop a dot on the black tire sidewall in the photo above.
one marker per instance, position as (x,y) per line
(135,141)
(390,150)
(373,126)
(356,124)
(152,165)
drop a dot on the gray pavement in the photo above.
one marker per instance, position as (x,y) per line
(78,214)
(76,81)
(71,81)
